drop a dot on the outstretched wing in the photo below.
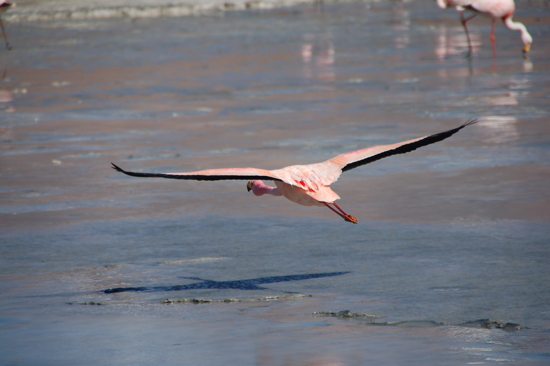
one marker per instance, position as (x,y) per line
(210,174)
(354,159)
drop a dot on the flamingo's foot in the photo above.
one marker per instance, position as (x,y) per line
(347,217)
(351,219)
(338,210)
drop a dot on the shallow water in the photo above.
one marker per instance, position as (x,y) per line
(448,235)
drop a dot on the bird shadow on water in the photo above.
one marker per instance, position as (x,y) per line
(250,284)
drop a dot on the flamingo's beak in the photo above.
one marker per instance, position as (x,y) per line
(249,186)
(526,48)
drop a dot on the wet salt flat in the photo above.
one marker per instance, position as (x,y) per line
(448,264)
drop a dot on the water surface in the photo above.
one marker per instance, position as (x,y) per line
(450,237)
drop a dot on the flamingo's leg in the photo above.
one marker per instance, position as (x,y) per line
(463,21)
(4,34)
(493,42)
(341,213)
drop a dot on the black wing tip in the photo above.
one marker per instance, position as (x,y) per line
(117,168)
(469,122)
(411,146)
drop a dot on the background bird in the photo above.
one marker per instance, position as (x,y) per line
(306,185)
(496,9)
(4,6)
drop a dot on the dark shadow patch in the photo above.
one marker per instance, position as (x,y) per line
(481,323)
(282,297)
(344,314)
(251,284)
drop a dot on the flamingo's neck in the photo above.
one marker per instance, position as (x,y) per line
(259,188)
(525,36)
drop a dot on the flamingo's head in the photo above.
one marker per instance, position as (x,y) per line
(259,188)
(527,45)
(526,39)
(525,36)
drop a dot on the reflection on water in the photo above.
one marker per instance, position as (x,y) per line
(510,98)
(527,65)
(6,96)
(499,129)
(402,27)
(452,41)
(317,54)
(268,355)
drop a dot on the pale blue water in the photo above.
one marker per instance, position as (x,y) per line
(451,234)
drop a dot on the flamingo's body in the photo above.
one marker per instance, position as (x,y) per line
(496,9)
(307,185)
(4,6)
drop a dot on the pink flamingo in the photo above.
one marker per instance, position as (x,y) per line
(496,9)
(306,185)
(4,6)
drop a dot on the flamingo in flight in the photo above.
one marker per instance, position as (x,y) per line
(4,6)
(307,185)
(496,9)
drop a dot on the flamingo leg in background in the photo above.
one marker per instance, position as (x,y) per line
(463,21)
(492,36)
(4,6)
(5,35)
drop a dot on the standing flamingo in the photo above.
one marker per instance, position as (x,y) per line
(307,185)
(496,9)
(4,6)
